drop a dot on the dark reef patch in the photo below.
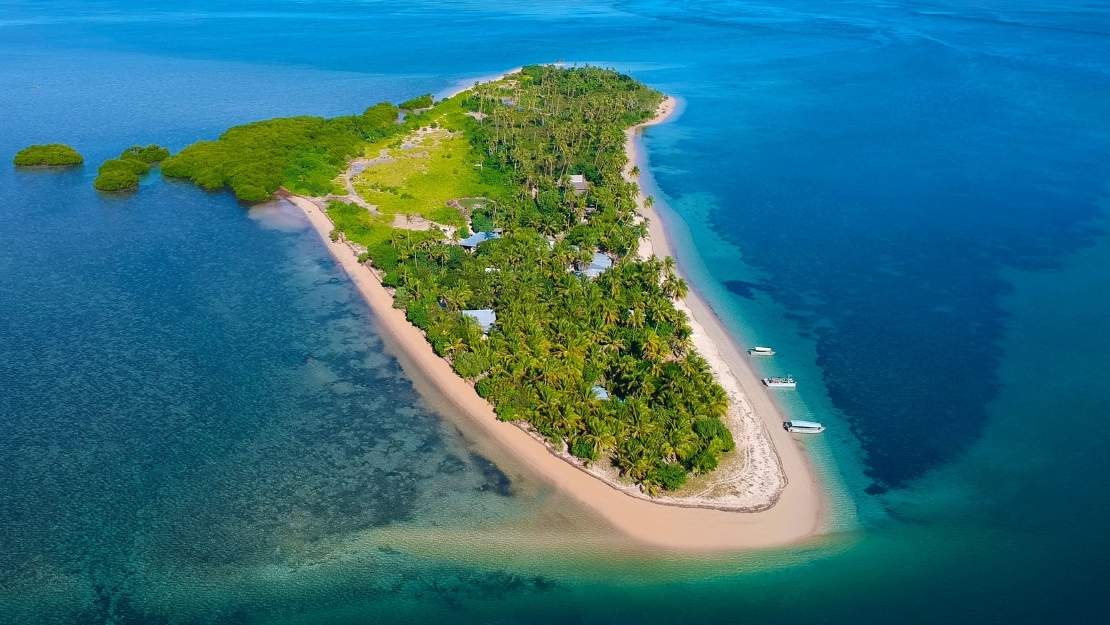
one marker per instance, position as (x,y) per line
(742,288)
(495,479)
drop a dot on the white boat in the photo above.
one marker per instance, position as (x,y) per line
(761,351)
(803,427)
(780,382)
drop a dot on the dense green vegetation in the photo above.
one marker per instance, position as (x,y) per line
(149,154)
(500,156)
(48,155)
(559,334)
(303,154)
(419,102)
(124,173)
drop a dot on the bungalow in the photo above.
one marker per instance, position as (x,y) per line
(598,265)
(579,184)
(473,241)
(484,316)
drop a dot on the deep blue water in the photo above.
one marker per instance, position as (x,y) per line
(199,423)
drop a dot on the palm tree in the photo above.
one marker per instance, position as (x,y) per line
(455,346)
(639,416)
(680,439)
(636,318)
(652,346)
(456,297)
(693,366)
(669,265)
(640,468)
(675,287)
(439,254)
(604,434)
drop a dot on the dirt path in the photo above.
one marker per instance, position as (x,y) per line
(354,168)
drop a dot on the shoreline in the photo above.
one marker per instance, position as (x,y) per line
(470,83)
(787,514)
(802,488)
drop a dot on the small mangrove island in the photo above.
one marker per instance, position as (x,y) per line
(124,173)
(419,102)
(501,222)
(48,155)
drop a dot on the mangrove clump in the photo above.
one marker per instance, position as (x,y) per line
(48,155)
(419,102)
(303,154)
(150,154)
(124,173)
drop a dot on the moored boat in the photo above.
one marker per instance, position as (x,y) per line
(761,351)
(803,427)
(780,382)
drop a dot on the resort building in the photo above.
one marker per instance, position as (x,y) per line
(484,316)
(473,241)
(598,265)
(579,184)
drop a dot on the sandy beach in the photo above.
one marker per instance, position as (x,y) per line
(765,495)
(469,83)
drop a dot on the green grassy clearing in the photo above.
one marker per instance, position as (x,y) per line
(431,167)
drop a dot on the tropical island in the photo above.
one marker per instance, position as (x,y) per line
(123,173)
(48,155)
(502,237)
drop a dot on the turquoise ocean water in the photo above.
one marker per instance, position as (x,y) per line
(199,423)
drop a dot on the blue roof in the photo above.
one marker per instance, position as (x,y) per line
(478,238)
(484,316)
(599,392)
(598,264)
